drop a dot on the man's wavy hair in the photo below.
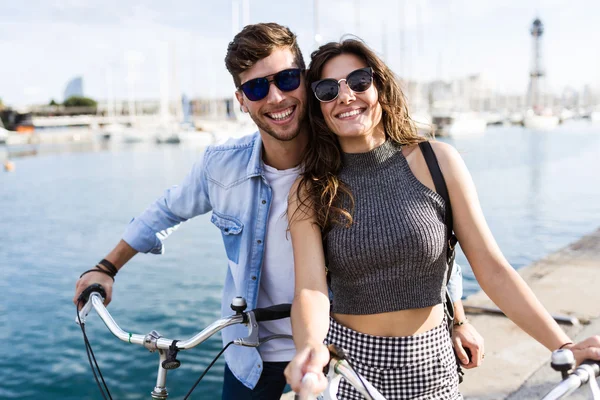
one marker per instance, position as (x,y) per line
(256,42)
(320,191)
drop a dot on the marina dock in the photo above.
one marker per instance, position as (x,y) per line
(516,367)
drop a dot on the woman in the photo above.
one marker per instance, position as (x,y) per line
(367,204)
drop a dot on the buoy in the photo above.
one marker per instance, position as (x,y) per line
(9,166)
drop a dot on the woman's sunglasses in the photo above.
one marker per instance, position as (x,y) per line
(258,88)
(358,81)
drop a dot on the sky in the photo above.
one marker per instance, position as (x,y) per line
(126,48)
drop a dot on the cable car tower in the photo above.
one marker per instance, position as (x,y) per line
(535,94)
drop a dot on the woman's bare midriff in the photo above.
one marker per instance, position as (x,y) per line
(396,323)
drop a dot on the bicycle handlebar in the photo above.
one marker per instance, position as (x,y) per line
(271,313)
(587,371)
(93,299)
(309,381)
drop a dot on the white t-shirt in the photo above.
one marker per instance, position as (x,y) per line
(277,276)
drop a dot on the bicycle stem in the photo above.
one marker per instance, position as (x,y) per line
(160,390)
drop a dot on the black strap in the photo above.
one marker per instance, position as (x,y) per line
(438,181)
(442,190)
(98,270)
(111,267)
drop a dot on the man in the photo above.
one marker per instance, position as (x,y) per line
(245,183)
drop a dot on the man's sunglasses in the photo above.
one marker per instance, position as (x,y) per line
(359,81)
(258,88)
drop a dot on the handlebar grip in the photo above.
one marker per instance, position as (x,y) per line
(309,381)
(595,365)
(85,295)
(278,311)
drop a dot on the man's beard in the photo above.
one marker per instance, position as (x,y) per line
(287,134)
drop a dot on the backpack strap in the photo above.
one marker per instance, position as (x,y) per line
(442,190)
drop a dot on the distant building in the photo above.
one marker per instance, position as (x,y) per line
(74,88)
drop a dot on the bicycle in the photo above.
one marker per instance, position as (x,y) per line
(337,368)
(573,378)
(94,295)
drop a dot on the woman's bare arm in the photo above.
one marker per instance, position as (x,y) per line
(310,307)
(497,278)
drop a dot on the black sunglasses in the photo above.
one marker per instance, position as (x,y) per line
(359,81)
(258,88)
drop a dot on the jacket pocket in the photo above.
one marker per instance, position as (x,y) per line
(231,229)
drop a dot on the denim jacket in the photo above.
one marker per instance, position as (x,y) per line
(228,180)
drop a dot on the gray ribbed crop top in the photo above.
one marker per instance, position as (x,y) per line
(393,256)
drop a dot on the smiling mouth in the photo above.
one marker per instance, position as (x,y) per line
(350,114)
(281,115)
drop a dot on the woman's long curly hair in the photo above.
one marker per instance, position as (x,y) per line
(320,191)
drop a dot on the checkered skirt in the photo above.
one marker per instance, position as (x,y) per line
(421,366)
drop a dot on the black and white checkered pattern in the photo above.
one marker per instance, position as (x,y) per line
(420,367)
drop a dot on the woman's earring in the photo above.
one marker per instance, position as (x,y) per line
(242,108)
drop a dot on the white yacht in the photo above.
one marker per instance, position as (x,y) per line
(540,122)
(3,135)
(460,124)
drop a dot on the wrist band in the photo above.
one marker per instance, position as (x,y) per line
(460,323)
(98,270)
(111,267)
(565,344)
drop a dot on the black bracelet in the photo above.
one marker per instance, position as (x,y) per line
(111,267)
(98,270)
(565,344)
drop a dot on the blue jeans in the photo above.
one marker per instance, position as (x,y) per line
(270,385)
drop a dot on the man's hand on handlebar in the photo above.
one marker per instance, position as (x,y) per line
(89,279)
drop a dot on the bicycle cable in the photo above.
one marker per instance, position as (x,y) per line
(207,369)
(341,354)
(360,379)
(89,351)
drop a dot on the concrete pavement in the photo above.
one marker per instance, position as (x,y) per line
(516,366)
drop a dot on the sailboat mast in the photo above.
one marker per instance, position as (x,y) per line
(317,36)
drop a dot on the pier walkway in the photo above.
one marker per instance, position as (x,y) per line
(516,367)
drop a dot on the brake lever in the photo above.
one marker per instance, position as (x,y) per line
(252,339)
(83,313)
(86,296)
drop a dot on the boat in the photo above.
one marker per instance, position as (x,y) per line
(423,123)
(112,130)
(3,135)
(134,135)
(516,118)
(540,121)
(168,139)
(459,124)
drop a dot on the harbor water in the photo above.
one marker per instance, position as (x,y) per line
(62,211)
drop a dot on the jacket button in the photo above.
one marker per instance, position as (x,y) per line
(226,229)
(253,277)
(264,202)
(259,241)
